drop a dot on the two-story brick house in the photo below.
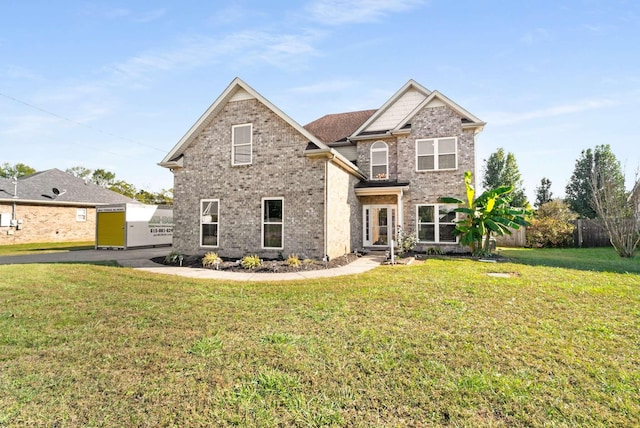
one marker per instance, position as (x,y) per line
(249,179)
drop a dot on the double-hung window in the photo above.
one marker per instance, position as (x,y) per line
(272,223)
(81,214)
(241,144)
(436,223)
(209,222)
(437,154)
(379,161)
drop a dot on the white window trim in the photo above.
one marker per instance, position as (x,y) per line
(436,154)
(234,145)
(81,218)
(262,222)
(386,161)
(436,224)
(216,223)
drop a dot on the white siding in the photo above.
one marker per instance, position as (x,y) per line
(398,111)
(349,152)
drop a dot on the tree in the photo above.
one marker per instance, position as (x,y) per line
(124,188)
(616,209)
(543,192)
(502,170)
(80,172)
(490,213)
(579,190)
(18,170)
(103,178)
(553,226)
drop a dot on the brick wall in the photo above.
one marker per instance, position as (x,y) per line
(44,223)
(279,169)
(344,219)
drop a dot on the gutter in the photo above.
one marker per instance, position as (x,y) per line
(57,203)
(340,160)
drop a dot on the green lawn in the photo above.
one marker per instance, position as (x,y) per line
(593,259)
(439,343)
(49,247)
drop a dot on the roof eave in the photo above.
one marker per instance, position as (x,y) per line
(336,157)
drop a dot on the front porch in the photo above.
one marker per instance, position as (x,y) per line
(382,212)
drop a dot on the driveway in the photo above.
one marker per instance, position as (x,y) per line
(132,258)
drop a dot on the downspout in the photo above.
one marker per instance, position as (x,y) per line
(326,208)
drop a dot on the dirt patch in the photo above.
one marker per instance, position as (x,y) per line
(268,266)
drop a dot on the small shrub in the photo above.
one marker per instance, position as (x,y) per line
(173,257)
(251,262)
(406,242)
(211,260)
(435,251)
(553,226)
(293,260)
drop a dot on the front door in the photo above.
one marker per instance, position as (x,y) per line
(379,223)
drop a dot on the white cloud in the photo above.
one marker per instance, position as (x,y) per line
(499,118)
(338,12)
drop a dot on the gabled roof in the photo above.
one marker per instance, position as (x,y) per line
(333,128)
(417,94)
(237,89)
(468,119)
(38,188)
(396,114)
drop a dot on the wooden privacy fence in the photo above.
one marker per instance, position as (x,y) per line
(589,233)
(586,233)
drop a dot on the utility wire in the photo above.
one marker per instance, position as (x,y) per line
(75,122)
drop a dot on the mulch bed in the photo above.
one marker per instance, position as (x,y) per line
(268,266)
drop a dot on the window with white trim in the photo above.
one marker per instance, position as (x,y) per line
(379,161)
(437,154)
(436,223)
(272,223)
(209,222)
(81,214)
(241,144)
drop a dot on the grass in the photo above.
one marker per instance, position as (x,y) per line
(49,247)
(435,344)
(592,259)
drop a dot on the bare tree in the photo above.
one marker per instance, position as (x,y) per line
(618,211)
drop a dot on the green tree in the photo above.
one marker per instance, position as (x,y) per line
(103,178)
(80,172)
(145,197)
(579,190)
(17,170)
(124,188)
(490,213)
(500,170)
(543,192)
(552,226)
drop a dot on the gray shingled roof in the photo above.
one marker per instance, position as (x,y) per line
(333,128)
(38,188)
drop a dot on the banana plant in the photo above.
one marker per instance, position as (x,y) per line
(490,213)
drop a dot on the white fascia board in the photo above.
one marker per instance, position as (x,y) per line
(376,191)
(217,105)
(449,103)
(411,83)
(52,203)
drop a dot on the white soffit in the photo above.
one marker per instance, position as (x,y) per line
(398,111)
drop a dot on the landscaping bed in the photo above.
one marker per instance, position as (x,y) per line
(267,266)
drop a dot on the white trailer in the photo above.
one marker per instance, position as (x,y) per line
(125,226)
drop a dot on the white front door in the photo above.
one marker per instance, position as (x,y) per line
(379,225)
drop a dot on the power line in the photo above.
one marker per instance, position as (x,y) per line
(75,122)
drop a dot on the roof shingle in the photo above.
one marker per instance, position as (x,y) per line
(334,128)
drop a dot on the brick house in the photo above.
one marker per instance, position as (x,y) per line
(249,179)
(51,206)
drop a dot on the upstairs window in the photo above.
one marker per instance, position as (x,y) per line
(241,144)
(379,161)
(437,154)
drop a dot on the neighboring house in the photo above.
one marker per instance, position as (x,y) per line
(51,206)
(249,179)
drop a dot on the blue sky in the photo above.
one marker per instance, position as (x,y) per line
(116,84)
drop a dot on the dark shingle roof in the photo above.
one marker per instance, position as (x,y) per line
(39,187)
(337,127)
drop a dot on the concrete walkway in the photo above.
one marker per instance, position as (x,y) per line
(140,259)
